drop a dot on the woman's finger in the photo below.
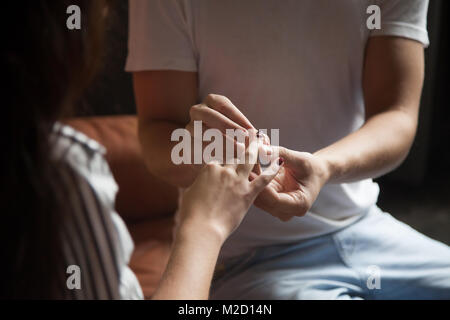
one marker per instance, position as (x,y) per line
(224,106)
(260,182)
(250,156)
(232,163)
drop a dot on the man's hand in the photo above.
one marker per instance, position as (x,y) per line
(392,83)
(293,191)
(218,112)
(298,184)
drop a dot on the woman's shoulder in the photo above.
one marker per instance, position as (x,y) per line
(85,157)
(97,189)
(74,146)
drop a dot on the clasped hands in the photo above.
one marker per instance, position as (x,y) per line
(298,183)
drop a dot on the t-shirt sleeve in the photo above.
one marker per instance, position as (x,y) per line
(404,18)
(160,36)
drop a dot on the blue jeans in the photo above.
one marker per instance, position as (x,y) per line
(378,257)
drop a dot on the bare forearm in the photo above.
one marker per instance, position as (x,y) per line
(191,266)
(378,147)
(157,147)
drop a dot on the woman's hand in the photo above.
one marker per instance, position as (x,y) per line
(221,195)
(211,209)
(293,191)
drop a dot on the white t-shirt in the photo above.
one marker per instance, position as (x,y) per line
(293,65)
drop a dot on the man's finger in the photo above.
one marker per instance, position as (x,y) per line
(260,182)
(278,204)
(213,119)
(250,156)
(224,106)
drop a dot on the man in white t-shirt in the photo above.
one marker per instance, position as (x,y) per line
(345,99)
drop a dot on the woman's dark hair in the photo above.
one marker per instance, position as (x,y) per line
(45,67)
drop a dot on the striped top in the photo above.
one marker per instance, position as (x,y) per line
(95,239)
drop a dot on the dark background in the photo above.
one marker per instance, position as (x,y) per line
(418,192)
